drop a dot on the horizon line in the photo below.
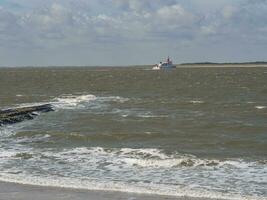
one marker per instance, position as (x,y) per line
(143,65)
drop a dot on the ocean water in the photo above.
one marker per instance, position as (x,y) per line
(196,132)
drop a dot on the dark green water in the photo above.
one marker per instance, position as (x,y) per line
(191,131)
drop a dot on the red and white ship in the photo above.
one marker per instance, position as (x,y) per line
(165,65)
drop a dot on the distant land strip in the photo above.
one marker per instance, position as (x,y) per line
(230,63)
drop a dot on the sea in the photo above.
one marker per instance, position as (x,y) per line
(191,132)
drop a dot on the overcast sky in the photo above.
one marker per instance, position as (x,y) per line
(124,32)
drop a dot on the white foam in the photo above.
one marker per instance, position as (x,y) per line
(9,130)
(260,107)
(114,99)
(136,113)
(115,186)
(6,131)
(71,101)
(80,101)
(196,102)
(150,158)
(7,154)
(19,95)
(149,171)
(150,115)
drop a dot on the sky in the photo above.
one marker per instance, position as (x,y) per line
(131,32)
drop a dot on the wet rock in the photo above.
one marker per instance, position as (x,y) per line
(15,115)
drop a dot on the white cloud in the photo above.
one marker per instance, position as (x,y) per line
(175,15)
(57,24)
(9,28)
(55,15)
(208,30)
(228,11)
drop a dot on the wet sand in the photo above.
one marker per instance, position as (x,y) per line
(13,191)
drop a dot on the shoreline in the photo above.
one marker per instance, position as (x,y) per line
(16,191)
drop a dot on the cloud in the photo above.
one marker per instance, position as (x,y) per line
(9,28)
(142,5)
(130,24)
(174,14)
(245,20)
(229,11)
(60,20)
(55,16)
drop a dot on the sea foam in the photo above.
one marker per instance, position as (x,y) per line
(148,158)
(145,170)
(71,101)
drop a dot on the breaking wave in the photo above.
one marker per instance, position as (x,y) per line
(260,107)
(140,170)
(150,171)
(69,101)
(76,101)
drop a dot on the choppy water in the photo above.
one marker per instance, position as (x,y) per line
(187,132)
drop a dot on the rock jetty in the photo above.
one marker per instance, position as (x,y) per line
(15,115)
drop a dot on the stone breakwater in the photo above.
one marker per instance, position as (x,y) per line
(15,115)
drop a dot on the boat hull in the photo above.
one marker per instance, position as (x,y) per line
(164,67)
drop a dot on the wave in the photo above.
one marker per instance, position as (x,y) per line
(155,158)
(136,113)
(196,102)
(123,161)
(104,104)
(10,130)
(113,186)
(80,101)
(140,170)
(74,136)
(115,169)
(260,107)
(69,101)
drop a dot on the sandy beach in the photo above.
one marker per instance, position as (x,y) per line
(13,191)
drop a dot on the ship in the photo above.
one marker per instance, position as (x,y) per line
(164,65)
